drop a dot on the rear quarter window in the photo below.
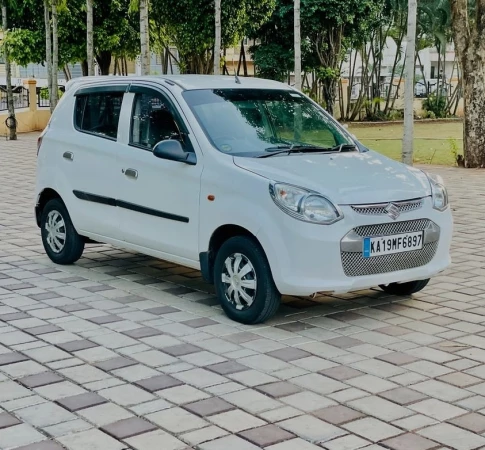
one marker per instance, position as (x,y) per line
(98,113)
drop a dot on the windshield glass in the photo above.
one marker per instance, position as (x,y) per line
(253,122)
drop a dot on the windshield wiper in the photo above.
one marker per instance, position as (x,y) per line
(343,147)
(298,148)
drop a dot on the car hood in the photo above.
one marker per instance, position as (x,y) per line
(345,178)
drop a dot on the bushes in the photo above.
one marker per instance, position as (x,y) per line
(435,106)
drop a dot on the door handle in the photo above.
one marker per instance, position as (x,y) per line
(131,173)
(68,155)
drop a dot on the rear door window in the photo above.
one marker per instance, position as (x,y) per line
(98,113)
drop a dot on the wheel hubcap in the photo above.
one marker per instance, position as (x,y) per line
(239,281)
(56,231)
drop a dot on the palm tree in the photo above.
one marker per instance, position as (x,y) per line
(217,44)
(8,70)
(297,45)
(90,36)
(407,142)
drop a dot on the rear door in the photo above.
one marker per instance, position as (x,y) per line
(91,160)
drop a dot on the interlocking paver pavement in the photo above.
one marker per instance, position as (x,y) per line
(124,351)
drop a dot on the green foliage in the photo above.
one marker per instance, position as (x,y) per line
(453,148)
(190,26)
(436,104)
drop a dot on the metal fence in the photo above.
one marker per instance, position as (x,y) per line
(20,98)
(43,98)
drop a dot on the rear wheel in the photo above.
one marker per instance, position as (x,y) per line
(60,239)
(404,288)
(243,281)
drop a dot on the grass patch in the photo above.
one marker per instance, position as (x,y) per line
(434,143)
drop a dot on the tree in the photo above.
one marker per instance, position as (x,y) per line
(89,36)
(217,43)
(144,38)
(468,31)
(8,70)
(191,27)
(297,38)
(407,142)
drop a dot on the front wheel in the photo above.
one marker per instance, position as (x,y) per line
(243,281)
(402,289)
(61,242)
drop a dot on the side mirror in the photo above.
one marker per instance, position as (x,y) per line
(172,150)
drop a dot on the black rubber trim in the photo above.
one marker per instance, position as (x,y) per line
(95,198)
(105,89)
(151,212)
(131,206)
(206,267)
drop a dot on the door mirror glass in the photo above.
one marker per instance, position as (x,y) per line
(172,150)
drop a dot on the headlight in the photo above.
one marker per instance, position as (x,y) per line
(439,192)
(304,205)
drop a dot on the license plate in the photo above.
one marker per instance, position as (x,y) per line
(397,243)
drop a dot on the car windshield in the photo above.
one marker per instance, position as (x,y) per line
(257,122)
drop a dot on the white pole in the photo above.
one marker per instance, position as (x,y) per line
(217,45)
(408,135)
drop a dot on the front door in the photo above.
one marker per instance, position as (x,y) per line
(158,199)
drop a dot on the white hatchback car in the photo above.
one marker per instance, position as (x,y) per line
(247,180)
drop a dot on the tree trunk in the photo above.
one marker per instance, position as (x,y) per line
(245,65)
(104,61)
(55,56)
(90,36)
(408,136)
(84,68)
(8,70)
(217,43)
(144,38)
(67,72)
(297,42)
(48,47)
(329,94)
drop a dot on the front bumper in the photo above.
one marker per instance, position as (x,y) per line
(307,258)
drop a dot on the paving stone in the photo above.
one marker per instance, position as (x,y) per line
(410,441)
(81,401)
(403,396)
(236,421)
(126,395)
(437,409)
(474,422)
(289,354)
(338,414)
(372,429)
(307,401)
(11,358)
(18,436)
(91,439)
(279,389)
(266,435)
(159,310)
(44,415)
(294,444)
(251,401)
(415,422)
(127,428)
(6,420)
(398,358)
(199,323)
(177,420)
(441,391)
(104,414)
(182,349)
(311,428)
(41,379)
(227,367)
(349,442)
(10,390)
(43,329)
(341,373)
(460,379)
(200,378)
(43,445)
(228,442)
(115,363)
(158,383)
(203,435)
(75,346)
(450,435)
(209,407)
(380,408)
(101,320)
(155,440)
(138,333)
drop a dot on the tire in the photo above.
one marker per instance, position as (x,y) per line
(59,250)
(402,289)
(265,297)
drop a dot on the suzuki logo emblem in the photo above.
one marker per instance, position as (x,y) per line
(392,211)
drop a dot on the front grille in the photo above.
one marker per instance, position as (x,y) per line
(379,209)
(355,265)
(385,229)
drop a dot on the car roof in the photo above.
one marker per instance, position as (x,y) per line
(185,82)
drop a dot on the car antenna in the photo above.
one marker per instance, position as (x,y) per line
(238,81)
